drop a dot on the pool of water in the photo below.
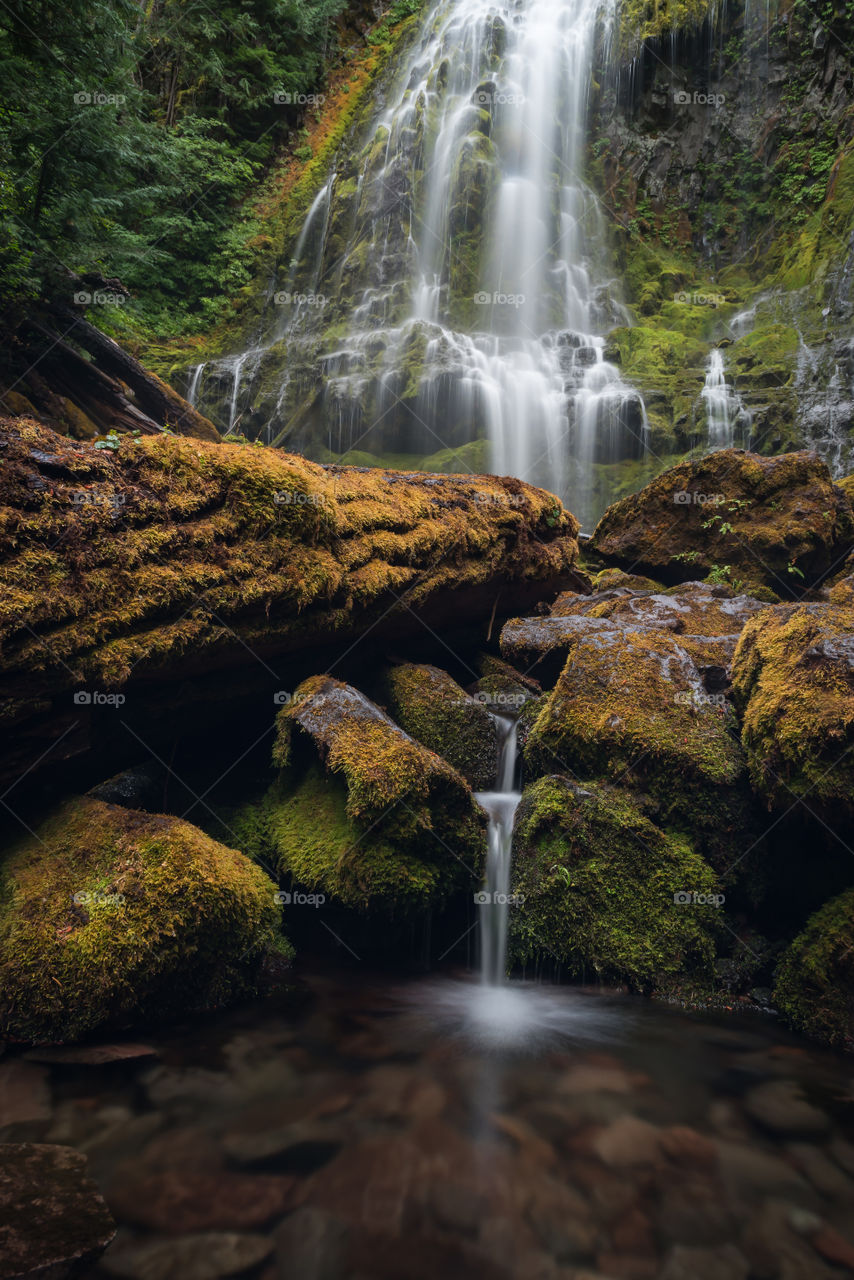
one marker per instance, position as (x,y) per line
(372,1129)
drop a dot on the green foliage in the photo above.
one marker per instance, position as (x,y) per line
(128,137)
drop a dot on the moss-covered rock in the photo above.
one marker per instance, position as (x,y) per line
(168,556)
(502,688)
(604,888)
(777,521)
(109,916)
(793,678)
(430,706)
(387,825)
(814,986)
(611,579)
(630,707)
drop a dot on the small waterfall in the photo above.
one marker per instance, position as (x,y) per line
(195,378)
(716,397)
(495,901)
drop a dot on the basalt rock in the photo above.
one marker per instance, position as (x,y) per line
(793,678)
(815,981)
(110,916)
(159,566)
(603,890)
(778,523)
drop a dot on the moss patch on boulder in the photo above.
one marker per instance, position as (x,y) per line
(430,706)
(815,981)
(779,521)
(793,678)
(109,916)
(601,886)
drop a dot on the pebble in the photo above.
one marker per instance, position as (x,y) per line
(780,1105)
(199,1257)
(182,1201)
(628,1141)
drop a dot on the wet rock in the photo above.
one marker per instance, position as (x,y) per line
(310,1245)
(777,1252)
(24,1093)
(723,1263)
(793,678)
(430,706)
(827,1178)
(628,1141)
(780,1105)
(302,1146)
(758,515)
(52,1216)
(181,1201)
(815,979)
(746,1170)
(395,1093)
(91,1055)
(834,1247)
(199,1257)
(368,1183)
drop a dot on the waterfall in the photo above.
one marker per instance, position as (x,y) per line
(193,386)
(495,901)
(463,264)
(716,397)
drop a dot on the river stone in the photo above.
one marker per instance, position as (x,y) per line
(90,1055)
(198,1257)
(723,1263)
(779,1105)
(52,1215)
(180,1201)
(24,1093)
(310,1245)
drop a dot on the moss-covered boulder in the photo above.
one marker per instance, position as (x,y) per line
(610,579)
(362,812)
(779,522)
(111,916)
(604,891)
(814,986)
(502,688)
(168,561)
(430,706)
(793,678)
(630,707)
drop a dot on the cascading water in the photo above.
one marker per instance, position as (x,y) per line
(495,900)
(463,264)
(727,420)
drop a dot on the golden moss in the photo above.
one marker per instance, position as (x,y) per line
(109,916)
(792,677)
(815,981)
(433,708)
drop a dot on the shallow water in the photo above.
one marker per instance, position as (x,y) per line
(376,1130)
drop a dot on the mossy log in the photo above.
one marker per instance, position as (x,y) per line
(159,565)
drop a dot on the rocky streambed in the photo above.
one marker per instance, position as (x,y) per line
(250,703)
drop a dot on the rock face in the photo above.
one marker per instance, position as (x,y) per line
(630,707)
(433,708)
(109,915)
(776,522)
(168,560)
(52,1217)
(793,678)
(604,889)
(815,980)
(363,813)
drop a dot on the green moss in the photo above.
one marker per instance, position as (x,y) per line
(641,20)
(792,679)
(109,916)
(435,710)
(814,986)
(599,880)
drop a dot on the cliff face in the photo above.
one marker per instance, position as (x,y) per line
(721,146)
